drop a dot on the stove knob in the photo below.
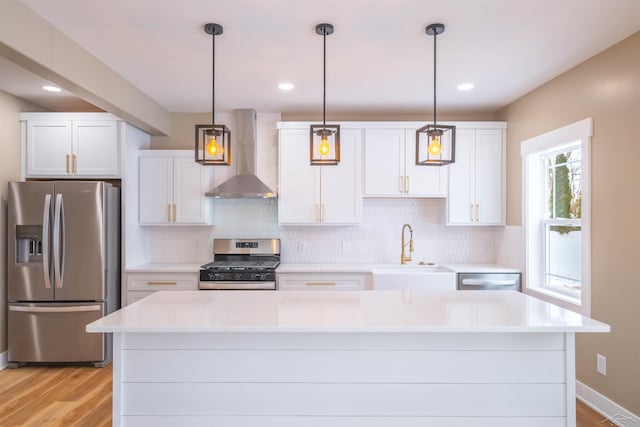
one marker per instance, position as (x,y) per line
(218,276)
(264,276)
(238,276)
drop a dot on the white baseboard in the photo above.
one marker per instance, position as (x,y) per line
(610,410)
(3,360)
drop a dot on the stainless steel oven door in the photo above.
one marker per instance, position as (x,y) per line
(237,285)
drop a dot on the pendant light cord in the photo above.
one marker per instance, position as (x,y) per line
(435,36)
(324,78)
(213,80)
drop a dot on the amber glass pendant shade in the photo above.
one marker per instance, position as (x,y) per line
(435,145)
(325,144)
(213,145)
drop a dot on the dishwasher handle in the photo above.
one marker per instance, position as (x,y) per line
(482,282)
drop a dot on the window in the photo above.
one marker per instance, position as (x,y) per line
(556,216)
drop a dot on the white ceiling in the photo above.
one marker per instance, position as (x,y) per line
(378,60)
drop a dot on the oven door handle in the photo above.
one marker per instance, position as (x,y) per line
(232,285)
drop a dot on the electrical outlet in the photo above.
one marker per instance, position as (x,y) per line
(601,364)
(346,247)
(302,246)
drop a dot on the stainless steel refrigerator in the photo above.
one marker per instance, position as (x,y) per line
(63,270)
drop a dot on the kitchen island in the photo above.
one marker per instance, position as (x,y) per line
(344,358)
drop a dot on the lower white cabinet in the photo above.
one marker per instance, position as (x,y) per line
(140,285)
(323,281)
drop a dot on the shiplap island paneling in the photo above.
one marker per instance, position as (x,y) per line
(348,358)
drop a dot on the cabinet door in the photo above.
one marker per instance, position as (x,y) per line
(422,181)
(96,148)
(461,200)
(188,191)
(384,162)
(49,147)
(299,182)
(489,168)
(340,185)
(156,188)
(322,281)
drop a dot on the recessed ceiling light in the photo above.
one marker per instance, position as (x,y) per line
(50,88)
(465,86)
(286,86)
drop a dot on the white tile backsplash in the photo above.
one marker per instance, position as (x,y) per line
(376,240)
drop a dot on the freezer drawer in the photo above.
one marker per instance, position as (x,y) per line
(55,332)
(489,281)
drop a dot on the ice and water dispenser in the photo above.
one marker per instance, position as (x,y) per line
(28,244)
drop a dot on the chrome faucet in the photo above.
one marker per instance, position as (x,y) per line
(406,258)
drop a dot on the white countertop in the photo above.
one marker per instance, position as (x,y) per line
(368,268)
(344,311)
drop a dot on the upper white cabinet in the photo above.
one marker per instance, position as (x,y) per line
(390,168)
(82,145)
(477,178)
(172,188)
(328,194)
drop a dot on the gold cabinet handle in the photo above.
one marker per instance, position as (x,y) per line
(68,164)
(408,184)
(74,169)
(162,282)
(321,283)
(174,213)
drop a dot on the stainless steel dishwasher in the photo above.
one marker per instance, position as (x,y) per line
(489,281)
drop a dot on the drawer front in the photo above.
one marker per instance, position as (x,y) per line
(319,282)
(162,281)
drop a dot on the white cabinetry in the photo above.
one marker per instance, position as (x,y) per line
(311,194)
(477,178)
(172,188)
(390,168)
(71,145)
(323,281)
(140,285)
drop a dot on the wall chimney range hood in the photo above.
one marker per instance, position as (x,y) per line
(245,184)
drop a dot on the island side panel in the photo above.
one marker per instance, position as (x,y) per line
(324,379)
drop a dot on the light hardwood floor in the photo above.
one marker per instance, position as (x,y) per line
(55,396)
(81,396)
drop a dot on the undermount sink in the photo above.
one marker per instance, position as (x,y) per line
(412,276)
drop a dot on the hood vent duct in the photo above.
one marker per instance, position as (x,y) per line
(245,184)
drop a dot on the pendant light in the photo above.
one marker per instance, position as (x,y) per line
(213,141)
(325,139)
(435,144)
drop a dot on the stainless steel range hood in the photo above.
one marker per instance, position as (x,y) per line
(244,185)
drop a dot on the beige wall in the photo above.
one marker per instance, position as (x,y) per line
(10,109)
(607,88)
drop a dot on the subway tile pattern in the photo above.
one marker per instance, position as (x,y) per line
(376,240)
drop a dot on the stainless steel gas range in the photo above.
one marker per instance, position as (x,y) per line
(242,264)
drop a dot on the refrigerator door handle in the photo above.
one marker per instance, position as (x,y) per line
(58,242)
(45,241)
(70,309)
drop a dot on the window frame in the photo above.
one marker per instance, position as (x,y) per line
(534,218)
